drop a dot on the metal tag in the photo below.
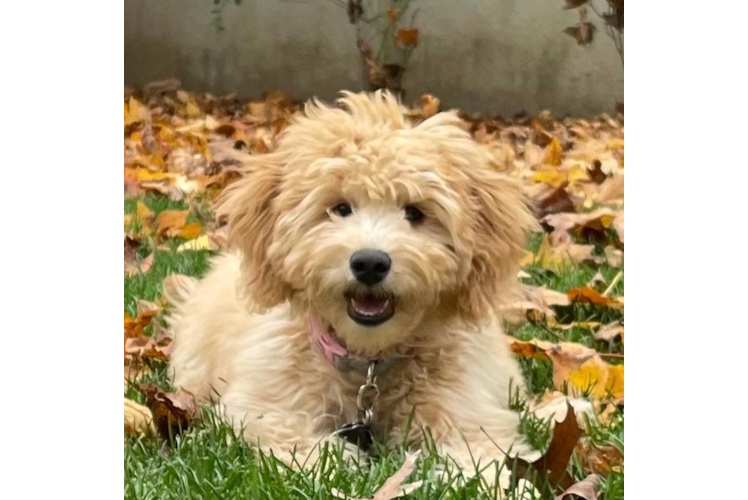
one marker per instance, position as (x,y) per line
(357,433)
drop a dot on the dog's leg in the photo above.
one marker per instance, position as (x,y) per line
(295,437)
(474,438)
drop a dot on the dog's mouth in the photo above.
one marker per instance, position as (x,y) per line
(370,309)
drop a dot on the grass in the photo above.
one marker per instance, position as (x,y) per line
(208,461)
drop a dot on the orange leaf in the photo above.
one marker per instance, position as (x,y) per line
(191,231)
(553,151)
(407,37)
(171,221)
(587,295)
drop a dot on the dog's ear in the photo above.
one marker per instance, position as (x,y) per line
(250,207)
(501,219)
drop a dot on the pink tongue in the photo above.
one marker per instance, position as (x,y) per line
(369,304)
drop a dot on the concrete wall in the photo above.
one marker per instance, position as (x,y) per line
(500,56)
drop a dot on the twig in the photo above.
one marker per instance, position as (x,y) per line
(610,355)
(613,283)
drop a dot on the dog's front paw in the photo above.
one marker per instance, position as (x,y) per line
(350,454)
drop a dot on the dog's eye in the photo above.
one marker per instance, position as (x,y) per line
(413,214)
(342,209)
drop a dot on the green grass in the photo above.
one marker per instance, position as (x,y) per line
(208,461)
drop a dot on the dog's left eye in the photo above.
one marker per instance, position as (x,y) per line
(413,214)
(342,209)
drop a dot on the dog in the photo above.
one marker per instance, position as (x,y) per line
(363,240)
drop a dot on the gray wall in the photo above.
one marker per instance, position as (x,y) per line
(499,56)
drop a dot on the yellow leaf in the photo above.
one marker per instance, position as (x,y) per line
(548,176)
(136,112)
(142,212)
(171,221)
(192,110)
(553,151)
(599,378)
(576,173)
(202,243)
(191,231)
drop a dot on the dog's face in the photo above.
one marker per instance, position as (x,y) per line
(373,225)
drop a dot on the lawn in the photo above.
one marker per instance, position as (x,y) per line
(204,462)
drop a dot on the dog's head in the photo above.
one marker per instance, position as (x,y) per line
(373,224)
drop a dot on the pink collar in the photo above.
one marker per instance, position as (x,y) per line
(323,337)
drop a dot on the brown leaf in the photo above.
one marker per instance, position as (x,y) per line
(598,458)
(557,200)
(131,247)
(573,4)
(583,32)
(596,172)
(172,411)
(586,489)
(551,466)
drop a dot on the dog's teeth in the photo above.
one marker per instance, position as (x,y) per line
(368,311)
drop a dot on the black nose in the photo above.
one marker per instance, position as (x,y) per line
(370,266)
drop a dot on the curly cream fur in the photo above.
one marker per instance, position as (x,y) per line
(241,333)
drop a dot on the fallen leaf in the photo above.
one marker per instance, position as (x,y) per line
(589,224)
(587,295)
(190,231)
(134,327)
(583,32)
(204,242)
(585,489)
(393,13)
(564,254)
(393,487)
(172,411)
(610,332)
(407,37)
(573,4)
(149,347)
(596,377)
(551,467)
(531,298)
(557,200)
(598,458)
(575,366)
(138,419)
(552,154)
(170,222)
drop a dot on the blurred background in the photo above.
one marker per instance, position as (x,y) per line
(492,56)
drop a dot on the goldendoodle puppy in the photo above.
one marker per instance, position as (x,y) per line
(362,238)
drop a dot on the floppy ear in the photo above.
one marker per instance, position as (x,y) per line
(251,208)
(500,219)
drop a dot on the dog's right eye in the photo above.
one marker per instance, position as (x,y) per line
(342,209)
